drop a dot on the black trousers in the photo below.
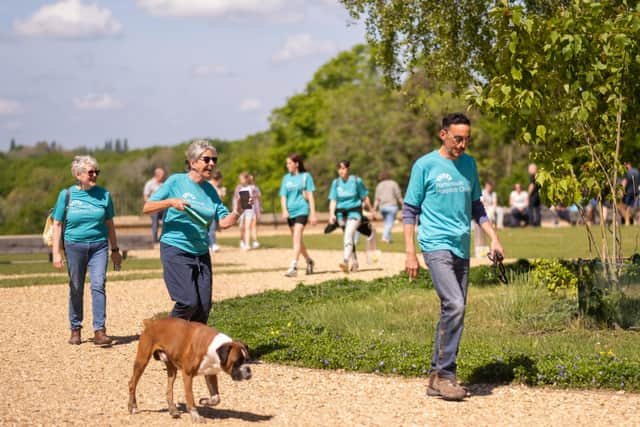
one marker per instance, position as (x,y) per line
(189,282)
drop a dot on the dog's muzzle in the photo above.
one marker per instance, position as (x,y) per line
(242,373)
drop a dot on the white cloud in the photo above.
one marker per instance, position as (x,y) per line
(215,8)
(250,104)
(302,45)
(8,107)
(69,19)
(95,101)
(209,70)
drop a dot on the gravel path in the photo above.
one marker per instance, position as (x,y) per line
(45,381)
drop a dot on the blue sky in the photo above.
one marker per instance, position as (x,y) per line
(158,72)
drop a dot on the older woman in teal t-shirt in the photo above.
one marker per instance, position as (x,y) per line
(191,205)
(86,210)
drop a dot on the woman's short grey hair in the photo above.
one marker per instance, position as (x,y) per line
(196,148)
(82,164)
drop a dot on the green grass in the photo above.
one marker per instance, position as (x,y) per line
(512,333)
(561,242)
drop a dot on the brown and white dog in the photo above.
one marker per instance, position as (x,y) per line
(193,348)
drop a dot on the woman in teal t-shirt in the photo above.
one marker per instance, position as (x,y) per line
(346,198)
(87,212)
(298,208)
(191,204)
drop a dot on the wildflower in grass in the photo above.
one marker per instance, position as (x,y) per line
(394,371)
(381,364)
(325,362)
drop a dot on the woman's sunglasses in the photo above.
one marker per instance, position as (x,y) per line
(95,172)
(208,159)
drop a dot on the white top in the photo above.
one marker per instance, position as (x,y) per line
(519,200)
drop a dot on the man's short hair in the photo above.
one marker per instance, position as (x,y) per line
(455,119)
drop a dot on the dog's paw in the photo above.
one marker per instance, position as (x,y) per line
(133,409)
(174,412)
(210,401)
(196,417)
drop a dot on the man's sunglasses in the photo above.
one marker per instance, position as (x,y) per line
(460,139)
(208,159)
(95,172)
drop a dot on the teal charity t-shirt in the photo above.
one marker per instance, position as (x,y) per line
(178,228)
(86,213)
(348,194)
(293,187)
(443,189)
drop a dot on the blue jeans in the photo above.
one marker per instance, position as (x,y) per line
(389,216)
(450,276)
(189,282)
(95,256)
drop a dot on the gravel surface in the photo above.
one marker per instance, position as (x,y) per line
(46,381)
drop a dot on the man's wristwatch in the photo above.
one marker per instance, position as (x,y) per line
(115,249)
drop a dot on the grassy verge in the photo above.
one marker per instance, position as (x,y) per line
(512,333)
(562,242)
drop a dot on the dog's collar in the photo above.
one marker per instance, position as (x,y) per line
(219,340)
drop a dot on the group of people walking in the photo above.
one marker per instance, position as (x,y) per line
(443,195)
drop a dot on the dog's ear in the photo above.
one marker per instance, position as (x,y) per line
(223,353)
(246,346)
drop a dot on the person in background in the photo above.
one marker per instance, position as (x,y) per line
(298,208)
(216,182)
(247,215)
(630,183)
(256,194)
(88,232)
(534,196)
(151,187)
(518,202)
(444,193)
(192,204)
(388,198)
(347,196)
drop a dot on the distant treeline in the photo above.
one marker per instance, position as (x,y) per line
(345,112)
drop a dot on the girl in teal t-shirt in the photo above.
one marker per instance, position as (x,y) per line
(298,208)
(346,199)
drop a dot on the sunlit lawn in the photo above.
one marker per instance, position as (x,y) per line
(529,242)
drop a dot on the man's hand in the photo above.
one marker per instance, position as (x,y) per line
(411,265)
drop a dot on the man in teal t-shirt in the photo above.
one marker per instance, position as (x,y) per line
(444,192)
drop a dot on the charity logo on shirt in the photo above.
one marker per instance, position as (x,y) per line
(83,206)
(344,192)
(446,184)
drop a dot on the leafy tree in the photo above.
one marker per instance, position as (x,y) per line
(562,74)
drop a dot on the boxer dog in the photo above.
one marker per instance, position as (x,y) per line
(193,348)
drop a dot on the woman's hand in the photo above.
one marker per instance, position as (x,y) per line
(332,219)
(178,203)
(58,262)
(313,219)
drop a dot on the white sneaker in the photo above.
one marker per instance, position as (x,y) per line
(291,272)
(354,267)
(242,245)
(255,244)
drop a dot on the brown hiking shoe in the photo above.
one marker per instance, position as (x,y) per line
(447,388)
(101,338)
(75,337)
